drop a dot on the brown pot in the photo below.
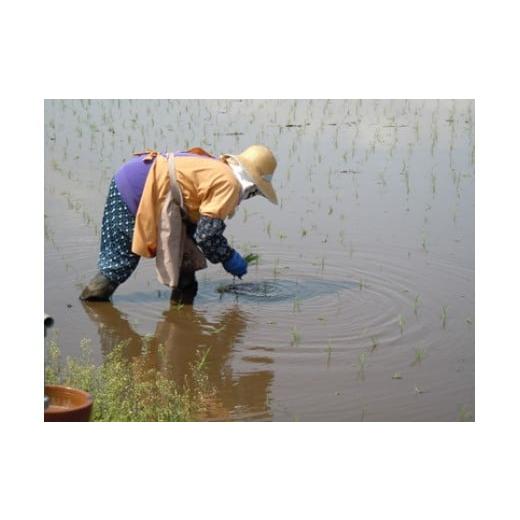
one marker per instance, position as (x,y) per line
(67,404)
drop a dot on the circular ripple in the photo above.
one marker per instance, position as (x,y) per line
(270,290)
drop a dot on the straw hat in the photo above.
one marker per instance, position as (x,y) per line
(260,163)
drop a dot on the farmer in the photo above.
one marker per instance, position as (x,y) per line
(172,207)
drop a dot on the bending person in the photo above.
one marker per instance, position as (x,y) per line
(172,207)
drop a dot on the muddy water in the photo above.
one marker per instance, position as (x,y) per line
(362,305)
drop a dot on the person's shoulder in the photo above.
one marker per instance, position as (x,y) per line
(224,174)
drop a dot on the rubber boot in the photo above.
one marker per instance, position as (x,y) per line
(99,289)
(186,289)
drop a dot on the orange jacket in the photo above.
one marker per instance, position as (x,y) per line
(208,187)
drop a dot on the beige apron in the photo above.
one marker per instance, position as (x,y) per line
(176,250)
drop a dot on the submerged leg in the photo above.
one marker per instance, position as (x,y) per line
(99,289)
(186,290)
(116,261)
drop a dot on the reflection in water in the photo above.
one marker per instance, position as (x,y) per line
(185,333)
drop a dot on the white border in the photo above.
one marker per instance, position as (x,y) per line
(225,50)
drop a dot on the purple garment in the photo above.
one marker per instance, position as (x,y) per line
(131,178)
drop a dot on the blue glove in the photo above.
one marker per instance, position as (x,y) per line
(235,265)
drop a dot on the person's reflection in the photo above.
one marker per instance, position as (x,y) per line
(185,334)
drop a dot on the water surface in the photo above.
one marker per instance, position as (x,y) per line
(362,305)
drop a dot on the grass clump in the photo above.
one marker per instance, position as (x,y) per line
(127,389)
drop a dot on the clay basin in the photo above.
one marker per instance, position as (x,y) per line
(67,404)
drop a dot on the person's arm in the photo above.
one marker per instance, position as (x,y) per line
(209,237)
(220,201)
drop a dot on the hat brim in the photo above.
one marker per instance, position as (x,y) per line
(264,186)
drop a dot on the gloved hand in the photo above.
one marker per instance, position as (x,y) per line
(236,265)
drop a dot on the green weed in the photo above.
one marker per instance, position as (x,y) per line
(126,389)
(329,352)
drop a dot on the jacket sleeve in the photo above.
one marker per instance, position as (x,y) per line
(209,237)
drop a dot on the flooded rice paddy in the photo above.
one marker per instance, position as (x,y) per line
(362,304)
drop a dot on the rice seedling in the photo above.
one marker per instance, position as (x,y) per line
(276,269)
(361,364)
(444,315)
(268,229)
(295,336)
(402,323)
(217,330)
(405,173)
(416,304)
(423,243)
(296,305)
(374,344)
(329,352)
(397,375)
(420,354)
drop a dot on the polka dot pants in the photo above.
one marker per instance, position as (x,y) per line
(116,260)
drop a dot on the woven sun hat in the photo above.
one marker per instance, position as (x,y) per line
(259,163)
